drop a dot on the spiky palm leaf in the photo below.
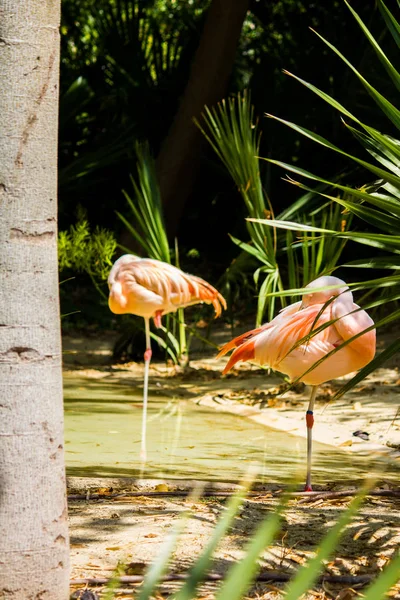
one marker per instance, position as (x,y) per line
(232,131)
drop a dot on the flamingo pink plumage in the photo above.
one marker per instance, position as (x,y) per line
(151,288)
(273,344)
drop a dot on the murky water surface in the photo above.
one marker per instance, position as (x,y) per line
(185,441)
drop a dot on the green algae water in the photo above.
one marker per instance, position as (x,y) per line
(185,440)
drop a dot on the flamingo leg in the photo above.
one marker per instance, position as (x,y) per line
(310,423)
(147,358)
(157,318)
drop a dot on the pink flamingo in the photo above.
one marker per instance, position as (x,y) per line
(151,288)
(273,344)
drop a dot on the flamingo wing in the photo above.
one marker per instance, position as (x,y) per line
(144,286)
(352,320)
(345,360)
(180,289)
(258,343)
(240,339)
(288,331)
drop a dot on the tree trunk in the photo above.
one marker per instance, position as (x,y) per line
(178,161)
(34,553)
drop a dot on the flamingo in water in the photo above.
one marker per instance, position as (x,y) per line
(273,344)
(151,288)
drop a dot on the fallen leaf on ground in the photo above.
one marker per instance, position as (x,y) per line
(105,491)
(300,560)
(162,487)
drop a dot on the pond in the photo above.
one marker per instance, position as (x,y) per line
(186,441)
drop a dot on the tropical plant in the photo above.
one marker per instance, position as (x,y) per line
(124,65)
(83,251)
(148,230)
(233,135)
(135,95)
(232,132)
(376,204)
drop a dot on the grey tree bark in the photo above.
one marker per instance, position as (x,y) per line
(34,553)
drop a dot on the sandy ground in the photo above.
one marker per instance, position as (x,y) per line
(131,530)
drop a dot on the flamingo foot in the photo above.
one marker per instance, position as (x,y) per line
(147,355)
(157,318)
(308,488)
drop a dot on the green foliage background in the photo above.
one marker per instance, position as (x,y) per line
(124,68)
(132,71)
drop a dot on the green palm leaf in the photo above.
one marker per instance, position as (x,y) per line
(388,203)
(385,175)
(231,130)
(387,107)
(391,23)
(393,73)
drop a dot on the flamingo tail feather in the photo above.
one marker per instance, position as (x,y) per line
(239,340)
(241,354)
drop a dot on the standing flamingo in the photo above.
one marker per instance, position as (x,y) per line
(151,288)
(273,344)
